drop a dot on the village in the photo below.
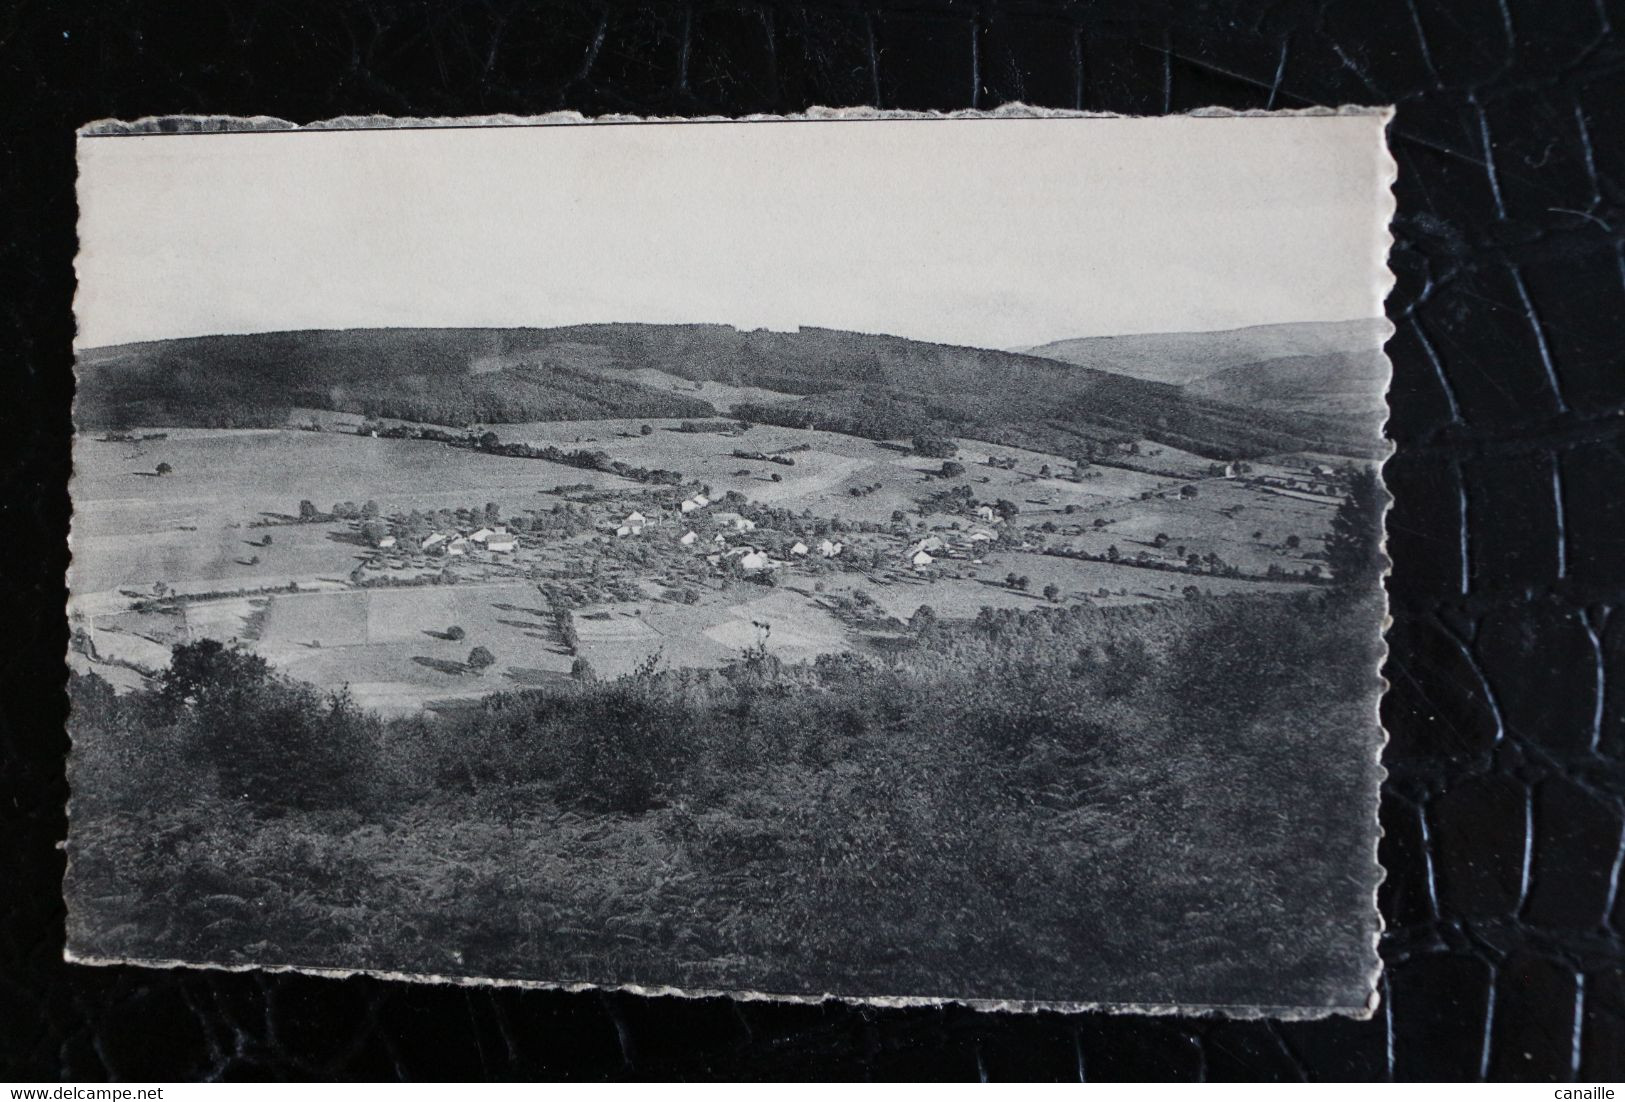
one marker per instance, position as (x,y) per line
(674,549)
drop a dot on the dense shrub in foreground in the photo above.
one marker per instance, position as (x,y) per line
(1043,803)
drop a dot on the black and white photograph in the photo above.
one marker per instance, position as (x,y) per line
(859,556)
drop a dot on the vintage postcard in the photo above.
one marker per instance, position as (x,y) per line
(866,556)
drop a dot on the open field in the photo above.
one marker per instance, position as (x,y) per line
(721,395)
(1222,519)
(227,476)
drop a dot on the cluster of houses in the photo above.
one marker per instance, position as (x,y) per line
(454,544)
(752,558)
(635,522)
(1321,485)
(950,545)
(726,525)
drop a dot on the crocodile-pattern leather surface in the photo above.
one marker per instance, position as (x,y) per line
(1503,813)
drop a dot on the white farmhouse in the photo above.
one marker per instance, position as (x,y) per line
(433,539)
(829,549)
(799,548)
(386,542)
(481,535)
(502,544)
(457,547)
(922,559)
(688,539)
(736,522)
(985,512)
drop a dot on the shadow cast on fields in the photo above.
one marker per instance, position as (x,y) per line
(442,665)
(540,614)
(532,678)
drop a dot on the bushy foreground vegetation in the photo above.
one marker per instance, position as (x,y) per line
(1157,803)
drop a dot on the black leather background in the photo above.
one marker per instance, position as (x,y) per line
(1507,712)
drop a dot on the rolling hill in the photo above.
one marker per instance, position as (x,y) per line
(865,384)
(1310,367)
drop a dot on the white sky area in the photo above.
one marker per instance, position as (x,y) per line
(997,233)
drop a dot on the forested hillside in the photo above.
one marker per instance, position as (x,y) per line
(869,385)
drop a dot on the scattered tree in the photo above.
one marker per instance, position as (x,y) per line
(307,511)
(935,447)
(1052,592)
(646,430)
(1353,548)
(455,633)
(207,671)
(582,670)
(163,469)
(1293,542)
(479,659)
